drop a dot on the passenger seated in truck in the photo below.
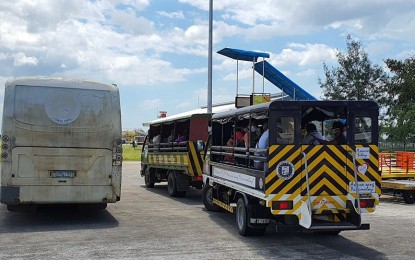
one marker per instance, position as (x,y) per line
(339,138)
(313,135)
(263,143)
(239,138)
(251,136)
(170,138)
(182,137)
(156,139)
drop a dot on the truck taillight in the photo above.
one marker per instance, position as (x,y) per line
(366,203)
(282,205)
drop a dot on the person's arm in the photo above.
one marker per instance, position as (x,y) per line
(246,139)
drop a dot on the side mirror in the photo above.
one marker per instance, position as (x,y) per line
(200,145)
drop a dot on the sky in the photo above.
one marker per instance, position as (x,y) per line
(156,51)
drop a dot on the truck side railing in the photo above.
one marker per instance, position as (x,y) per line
(168,147)
(240,156)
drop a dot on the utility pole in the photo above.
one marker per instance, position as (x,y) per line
(209,93)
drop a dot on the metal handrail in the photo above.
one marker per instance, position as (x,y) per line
(307,181)
(356,181)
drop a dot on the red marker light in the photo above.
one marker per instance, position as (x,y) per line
(363,204)
(199,178)
(284,205)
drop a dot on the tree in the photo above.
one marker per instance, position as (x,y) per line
(400,122)
(355,78)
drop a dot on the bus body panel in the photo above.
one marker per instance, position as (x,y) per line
(60,125)
(33,166)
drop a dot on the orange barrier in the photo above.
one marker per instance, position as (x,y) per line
(399,162)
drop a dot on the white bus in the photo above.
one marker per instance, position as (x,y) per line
(61,143)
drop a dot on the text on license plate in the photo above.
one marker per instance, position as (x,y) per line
(62,174)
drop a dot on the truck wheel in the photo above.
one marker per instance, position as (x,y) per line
(207,197)
(409,196)
(172,186)
(148,180)
(242,218)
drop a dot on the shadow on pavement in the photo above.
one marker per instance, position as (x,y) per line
(55,218)
(289,244)
(193,196)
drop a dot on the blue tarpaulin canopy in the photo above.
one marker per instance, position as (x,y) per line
(243,55)
(282,82)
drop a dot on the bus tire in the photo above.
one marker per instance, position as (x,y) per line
(242,218)
(148,179)
(172,186)
(409,196)
(207,197)
(13,208)
(21,207)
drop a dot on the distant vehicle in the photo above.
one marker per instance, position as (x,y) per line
(139,139)
(61,142)
(172,159)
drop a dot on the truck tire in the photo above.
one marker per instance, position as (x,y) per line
(242,218)
(207,197)
(409,196)
(172,186)
(148,180)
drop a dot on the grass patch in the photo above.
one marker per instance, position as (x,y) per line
(131,154)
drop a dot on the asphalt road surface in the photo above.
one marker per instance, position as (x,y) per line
(148,224)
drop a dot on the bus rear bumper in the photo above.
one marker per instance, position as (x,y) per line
(9,195)
(57,194)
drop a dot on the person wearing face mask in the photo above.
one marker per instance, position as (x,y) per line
(251,137)
(337,131)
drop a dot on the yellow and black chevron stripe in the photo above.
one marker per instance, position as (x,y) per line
(191,161)
(330,170)
(195,159)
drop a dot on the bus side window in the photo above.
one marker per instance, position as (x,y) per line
(362,130)
(285,130)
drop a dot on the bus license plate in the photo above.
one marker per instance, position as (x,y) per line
(63,174)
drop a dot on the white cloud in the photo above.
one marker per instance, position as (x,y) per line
(372,18)
(20,59)
(304,54)
(3,56)
(172,15)
(150,104)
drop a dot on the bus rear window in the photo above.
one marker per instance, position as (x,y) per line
(43,107)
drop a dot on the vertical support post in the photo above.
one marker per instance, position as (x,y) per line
(209,94)
(253,76)
(263,76)
(237,77)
